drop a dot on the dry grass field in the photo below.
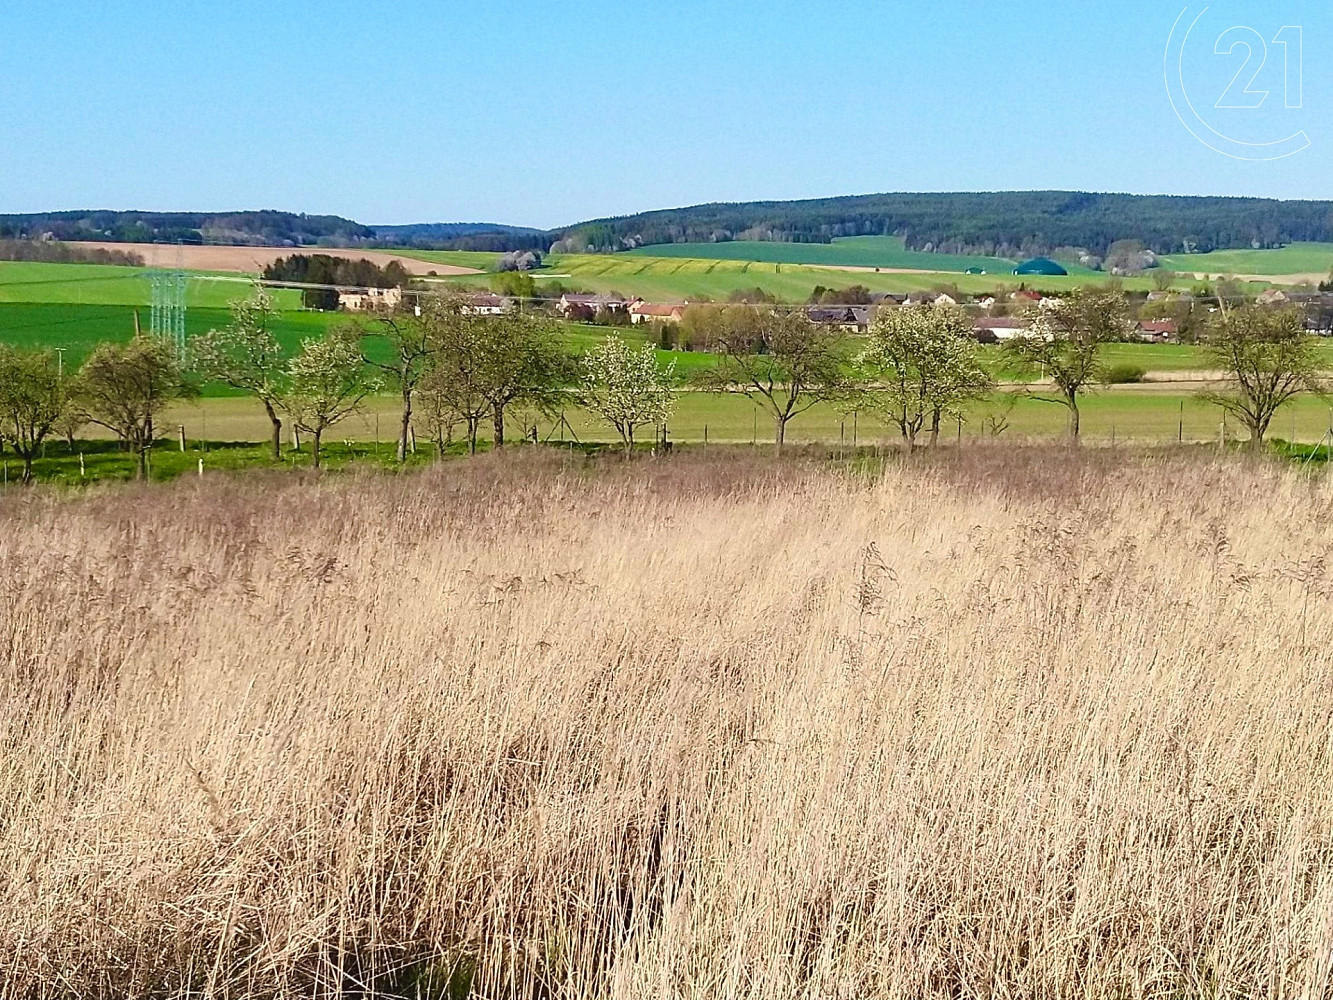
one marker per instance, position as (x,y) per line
(997,723)
(250,260)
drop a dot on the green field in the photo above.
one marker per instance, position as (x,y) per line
(672,279)
(1145,415)
(79,328)
(108,285)
(457,258)
(852,251)
(1298,258)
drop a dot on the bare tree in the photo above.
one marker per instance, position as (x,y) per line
(1066,339)
(626,388)
(413,341)
(1270,359)
(328,383)
(124,387)
(32,398)
(246,356)
(778,359)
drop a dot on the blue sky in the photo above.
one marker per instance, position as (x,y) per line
(394,112)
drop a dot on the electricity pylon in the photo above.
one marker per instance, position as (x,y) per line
(168,311)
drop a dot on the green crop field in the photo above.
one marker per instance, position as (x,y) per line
(457,258)
(107,285)
(79,328)
(1298,258)
(852,251)
(671,279)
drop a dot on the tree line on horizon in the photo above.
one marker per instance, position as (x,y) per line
(1010,224)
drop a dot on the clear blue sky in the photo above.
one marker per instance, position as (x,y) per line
(546,114)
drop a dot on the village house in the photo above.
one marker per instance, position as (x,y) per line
(484,304)
(1159,331)
(853,319)
(371,300)
(989,329)
(583,305)
(648,312)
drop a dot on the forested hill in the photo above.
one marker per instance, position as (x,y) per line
(1003,224)
(266,228)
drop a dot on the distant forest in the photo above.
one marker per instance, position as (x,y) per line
(1000,224)
(50,252)
(235,228)
(487,236)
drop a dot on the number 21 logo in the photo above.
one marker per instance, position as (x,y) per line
(1244,92)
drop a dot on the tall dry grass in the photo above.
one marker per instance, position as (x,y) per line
(1029,725)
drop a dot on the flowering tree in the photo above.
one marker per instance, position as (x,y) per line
(246,356)
(328,382)
(920,364)
(625,387)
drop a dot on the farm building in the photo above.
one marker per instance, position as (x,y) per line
(853,319)
(1043,266)
(371,300)
(1159,331)
(578,305)
(989,329)
(484,304)
(649,312)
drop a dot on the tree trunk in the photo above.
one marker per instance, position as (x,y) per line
(276,421)
(27,468)
(498,417)
(934,428)
(141,453)
(779,436)
(314,447)
(1257,431)
(628,436)
(407,422)
(471,435)
(1072,403)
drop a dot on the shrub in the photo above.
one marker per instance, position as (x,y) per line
(1124,374)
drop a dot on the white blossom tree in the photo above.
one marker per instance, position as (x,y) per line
(328,382)
(920,365)
(626,388)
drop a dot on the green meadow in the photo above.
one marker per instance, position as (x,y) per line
(673,279)
(852,251)
(109,285)
(1298,258)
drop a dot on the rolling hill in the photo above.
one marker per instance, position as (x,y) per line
(1004,224)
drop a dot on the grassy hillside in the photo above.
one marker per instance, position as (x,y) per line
(853,251)
(103,285)
(675,279)
(459,258)
(1298,258)
(78,328)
